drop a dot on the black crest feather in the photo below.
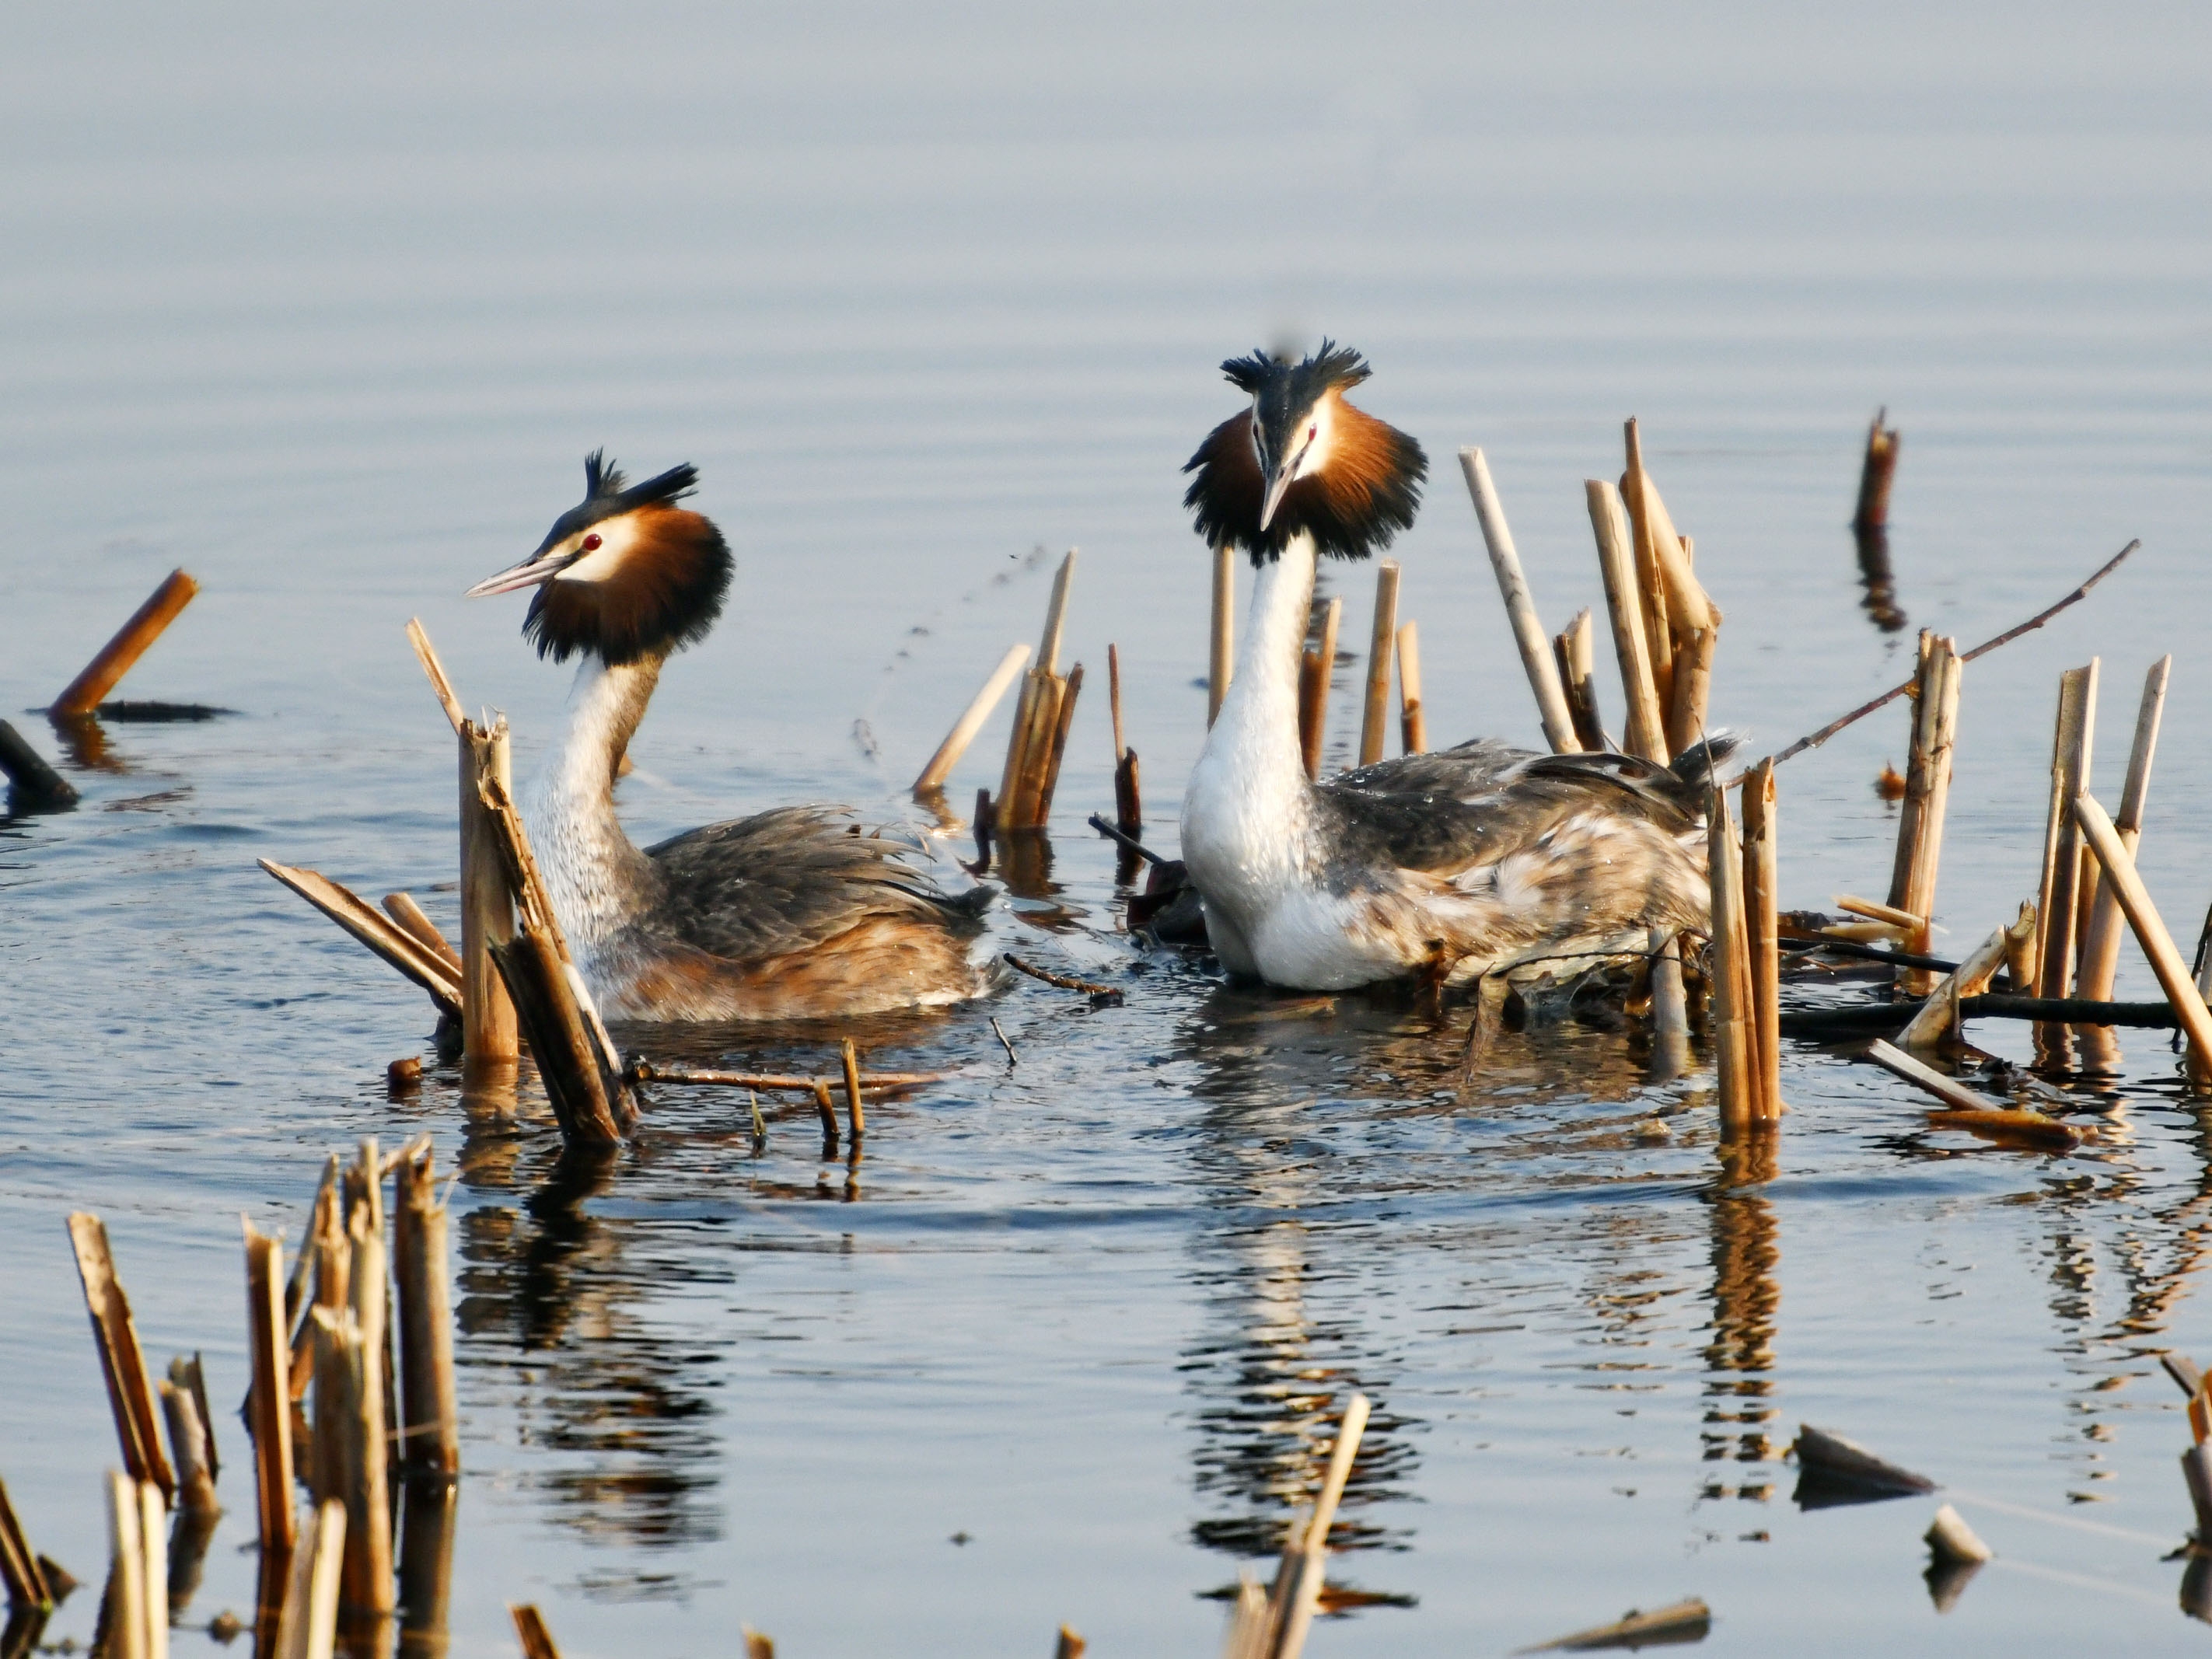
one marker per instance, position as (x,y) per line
(1370,491)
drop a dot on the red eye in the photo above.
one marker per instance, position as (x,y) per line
(1312,432)
(591,542)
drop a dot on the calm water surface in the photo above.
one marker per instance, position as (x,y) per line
(328,311)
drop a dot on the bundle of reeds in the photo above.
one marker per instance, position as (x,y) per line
(1038,742)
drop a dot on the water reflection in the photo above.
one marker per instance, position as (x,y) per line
(1879,583)
(1747,1301)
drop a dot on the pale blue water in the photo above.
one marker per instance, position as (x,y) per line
(328,311)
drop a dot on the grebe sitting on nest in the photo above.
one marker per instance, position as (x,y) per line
(794,914)
(1459,862)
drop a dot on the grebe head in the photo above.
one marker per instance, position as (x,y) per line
(623,574)
(1303,460)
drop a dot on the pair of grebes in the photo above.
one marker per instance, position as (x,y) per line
(1457,862)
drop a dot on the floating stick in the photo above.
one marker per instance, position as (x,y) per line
(489,1032)
(971,721)
(1901,921)
(1317,668)
(1221,656)
(1304,1568)
(36,784)
(121,1363)
(857,1118)
(403,910)
(1761,879)
(1964,1109)
(1677,1622)
(1412,724)
(269,1399)
(1375,711)
(1896,1061)
(529,1629)
(2101,941)
(1102,996)
(347,909)
(25,1580)
(1617,560)
(430,1441)
(1927,796)
(1734,1051)
(2062,846)
(1520,608)
(427,655)
(1875,475)
(2150,932)
(83,695)
(876,1083)
(1815,739)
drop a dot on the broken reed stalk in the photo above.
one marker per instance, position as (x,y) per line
(1693,689)
(1939,1014)
(430,1441)
(1413,723)
(1898,1063)
(1646,735)
(855,1116)
(121,1363)
(2100,955)
(369,926)
(20,1571)
(1221,640)
(130,1630)
(1734,1051)
(269,1399)
(358,1346)
(1048,782)
(530,1630)
(2070,757)
(1814,740)
(403,910)
(306,1628)
(1761,883)
(1529,634)
(427,655)
(1578,660)
(567,1060)
(1670,1009)
(2166,962)
(933,776)
(190,1452)
(1316,667)
(489,1030)
(1875,475)
(83,695)
(1298,1586)
(1128,799)
(35,782)
(1025,784)
(1651,585)
(1375,711)
(1927,796)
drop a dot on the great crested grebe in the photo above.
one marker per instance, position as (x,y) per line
(1461,861)
(794,914)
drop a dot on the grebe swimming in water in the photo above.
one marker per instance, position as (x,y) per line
(794,914)
(1457,862)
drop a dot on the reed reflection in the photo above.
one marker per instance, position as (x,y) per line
(1879,583)
(1747,1301)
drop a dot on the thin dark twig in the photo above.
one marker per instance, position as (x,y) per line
(1012,1058)
(1127,842)
(1851,947)
(1986,645)
(1103,996)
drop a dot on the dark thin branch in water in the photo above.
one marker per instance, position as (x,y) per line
(1127,844)
(2063,1011)
(1852,948)
(2006,638)
(1011,1058)
(1102,996)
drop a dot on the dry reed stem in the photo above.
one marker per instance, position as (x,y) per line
(1636,497)
(529,1629)
(1113,697)
(1761,883)
(1069,1645)
(489,1030)
(427,655)
(368,1577)
(369,927)
(1246,1634)
(1317,668)
(121,1363)
(188,1450)
(1875,474)
(1735,1053)
(1646,735)
(2062,847)
(1577,654)
(1927,794)
(855,1115)
(1070,690)
(84,694)
(878,1083)
(430,1439)
(153,1526)
(2166,962)
(1375,709)
(567,1061)
(933,776)
(1896,1061)
(412,920)
(1221,638)
(1690,609)
(25,1580)
(128,1635)
(1055,616)
(1670,1009)
(1938,1015)
(827,1111)
(1308,1564)
(1128,798)
(1010,776)
(1693,689)
(2019,950)
(307,1627)
(268,1398)
(1413,723)
(1529,633)
(1889,915)
(2101,941)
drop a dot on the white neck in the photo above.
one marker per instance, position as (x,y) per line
(1245,813)
(595,877)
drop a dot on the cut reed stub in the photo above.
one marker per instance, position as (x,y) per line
(2097,960)
(1927,795)
(1316,667)
(1735,1044)
(25,1579)
(1876,473)
(1413,723)
(1646,734)
(530,1630)
(1221,655)
(1374,707)
(1577,661)
(121,1363)
(33,785)
(105,671)
(489,1030)
(429,1439)
(1762,936)
(268,1398)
